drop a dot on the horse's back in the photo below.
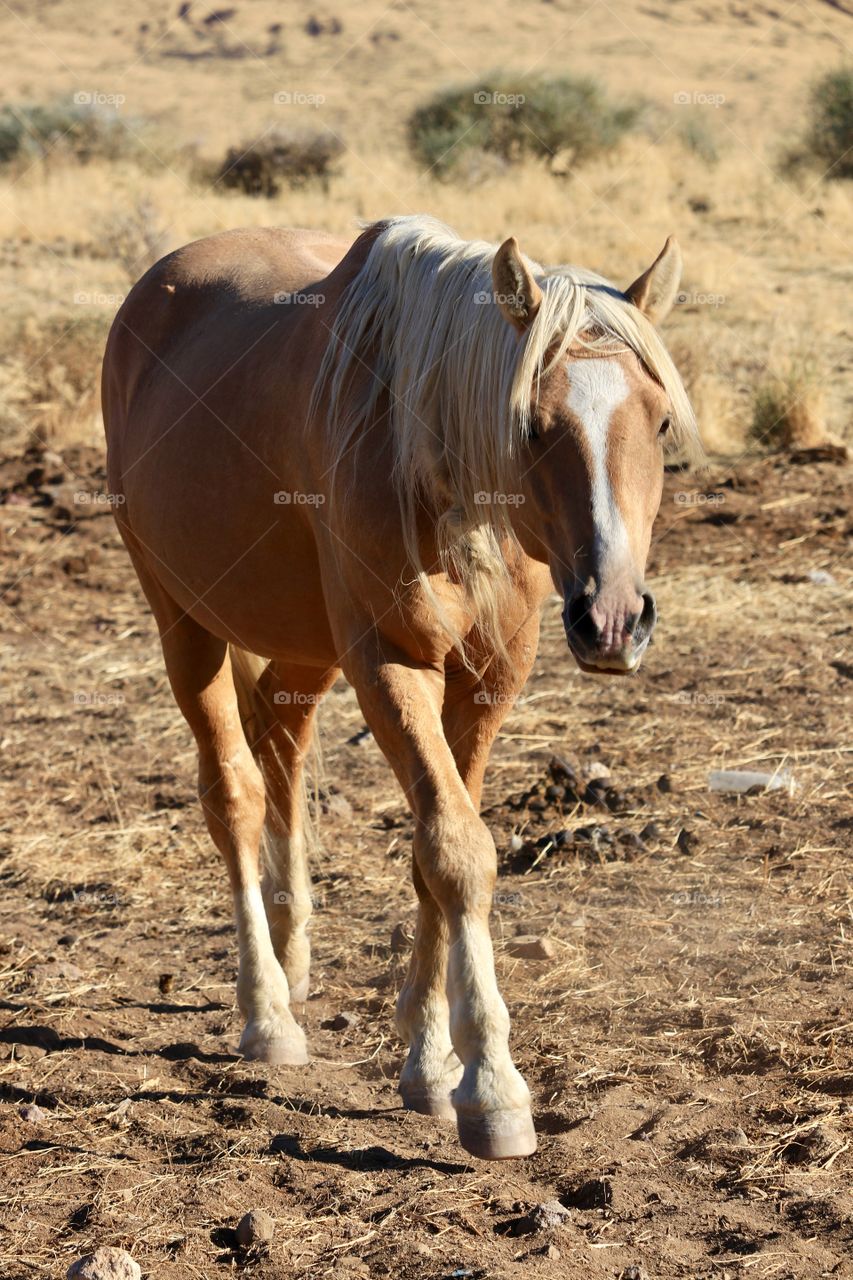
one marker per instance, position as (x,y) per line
(215,289)
(207,377)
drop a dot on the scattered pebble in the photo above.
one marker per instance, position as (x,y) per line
(595,770)
(548,1215)
(820,578)
(254,1228)
(551,1251)
(529,947)
(664,784)
(105,1263)
(166,982)
(516,843)
(344,1021)
(33,1114)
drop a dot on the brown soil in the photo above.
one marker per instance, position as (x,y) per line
(688,1050)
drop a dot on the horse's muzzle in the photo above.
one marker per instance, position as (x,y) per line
(609,636)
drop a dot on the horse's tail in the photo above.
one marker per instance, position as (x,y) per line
(258,717)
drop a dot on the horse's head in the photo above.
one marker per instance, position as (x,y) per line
(592,466)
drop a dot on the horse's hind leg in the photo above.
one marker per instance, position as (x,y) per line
(232,797)
(290,696)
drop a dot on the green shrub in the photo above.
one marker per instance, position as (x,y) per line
(290,158)
(569,117)
(31,131)
(830,135)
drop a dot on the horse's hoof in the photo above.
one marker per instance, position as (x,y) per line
(428,1102)
(497,1135)
(299,990)
(261,1044)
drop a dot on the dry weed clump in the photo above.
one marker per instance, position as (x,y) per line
(49,378)
(281,158)
(788,408)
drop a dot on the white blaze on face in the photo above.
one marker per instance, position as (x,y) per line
(596,389)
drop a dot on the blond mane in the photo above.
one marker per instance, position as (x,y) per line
(461,386)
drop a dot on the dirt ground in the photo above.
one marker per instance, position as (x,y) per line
(688,1048)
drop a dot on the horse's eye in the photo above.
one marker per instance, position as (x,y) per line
(665,425)
(533,432)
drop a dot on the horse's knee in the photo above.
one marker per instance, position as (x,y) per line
(232,795)
(457,859)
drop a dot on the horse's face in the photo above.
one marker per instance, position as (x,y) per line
(593,474)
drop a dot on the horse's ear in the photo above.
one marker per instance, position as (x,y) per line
(516,292)
(655,290)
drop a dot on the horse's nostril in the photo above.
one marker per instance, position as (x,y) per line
(579,620)
(647,619)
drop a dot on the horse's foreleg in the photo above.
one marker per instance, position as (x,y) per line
(456,858)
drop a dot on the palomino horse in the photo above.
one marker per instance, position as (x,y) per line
(379,459)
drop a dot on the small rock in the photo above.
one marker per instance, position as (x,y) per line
(516,843)
(537,804)
(33,1114)
(595,770)
(66,940)
(528,947)
(555,792)
(166,982)
(344,1021)
(820,578)
(254,1228)
(551,1251)
(664,784)
(401,939)
(633,1272)
(550,1214)
(105,1263)
(651,831)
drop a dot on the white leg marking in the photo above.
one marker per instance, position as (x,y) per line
(271,1033)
